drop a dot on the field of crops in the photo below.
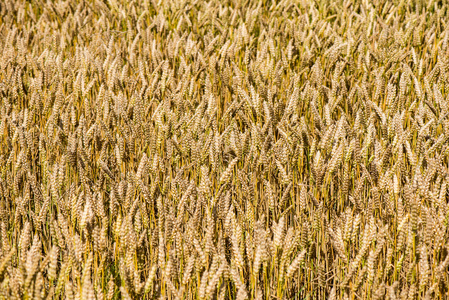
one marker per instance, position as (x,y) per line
(235,149)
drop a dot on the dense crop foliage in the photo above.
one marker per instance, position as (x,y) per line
(192,149)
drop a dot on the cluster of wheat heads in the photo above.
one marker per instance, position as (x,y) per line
(193,149)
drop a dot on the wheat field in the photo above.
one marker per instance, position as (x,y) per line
(235,149)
